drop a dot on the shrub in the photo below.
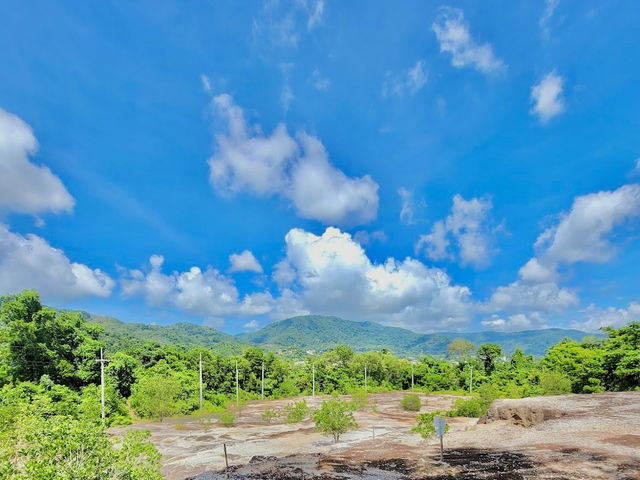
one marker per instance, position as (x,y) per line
(472,407)
(227,419)
(360,399)
(335,417)
(425,424)
(411,403)
(296,412)
(271,414)
(553,382)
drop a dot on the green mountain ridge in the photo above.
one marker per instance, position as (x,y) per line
(319,333)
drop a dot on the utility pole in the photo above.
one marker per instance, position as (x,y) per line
(313,380)
(365,378)
(102,361)
(471,379)
(262,385)
(237,387)
(411,375)
(200,381)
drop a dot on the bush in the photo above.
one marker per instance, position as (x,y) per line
(411,403)
(271,414)
(360,399)
(553,382)
(227,419)
(473,407)
(425,424)
(296,412)
(335,418)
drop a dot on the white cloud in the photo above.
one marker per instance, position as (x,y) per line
(547,98)
(597,318)
(244,262)
(410,209)
(320,82)
(408,82)
(581,235)
(24,186)
(332,274)
(315,18)
(514,323)
(295,168)
(208,293)
(469,225)
(549,7)
(636,168)
(251,325)
(454,38)
(28,262)
(206,83)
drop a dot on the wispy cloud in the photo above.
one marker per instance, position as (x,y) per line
(454,37)
(408,82)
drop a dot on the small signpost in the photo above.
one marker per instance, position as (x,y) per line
(439,424)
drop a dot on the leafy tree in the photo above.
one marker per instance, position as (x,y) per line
(425,425)
(122,371)
(156,396)
(488,353)
(460,348)
(43,341)
(296,412)
(411,403)
(335,418)
(554,383)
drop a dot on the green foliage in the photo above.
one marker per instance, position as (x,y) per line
(488,354)
(156,396)
(271,414)
(335,417)
(425,424)
(460,348)
(554,383)
(471,407)
(360,399)
(227,419)
(296,412)
(411,403)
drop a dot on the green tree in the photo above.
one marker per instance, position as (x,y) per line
(488,353)
(42,341)
(554,383)
(156,396)
(335,417)
(460,349)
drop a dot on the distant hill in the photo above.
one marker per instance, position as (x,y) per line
(119,335)
(294,336)
(317,332)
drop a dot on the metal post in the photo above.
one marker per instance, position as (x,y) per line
(365,377)
(262,384)
(411,375)
(313,380)
(441,450)
(226,461)
(102,361)
(237,387)
(201,381)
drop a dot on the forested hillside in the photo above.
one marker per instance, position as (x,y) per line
(319,333)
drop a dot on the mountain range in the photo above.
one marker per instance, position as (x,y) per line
(297,335)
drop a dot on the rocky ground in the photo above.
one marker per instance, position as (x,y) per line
(563,437)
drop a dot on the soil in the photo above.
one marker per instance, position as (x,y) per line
(560,437)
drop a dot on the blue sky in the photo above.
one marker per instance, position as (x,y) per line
(440,166)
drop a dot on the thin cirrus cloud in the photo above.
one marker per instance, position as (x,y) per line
(469,227)
(455,39)
(406,83)
(547,98)
(294,168)
(24,186)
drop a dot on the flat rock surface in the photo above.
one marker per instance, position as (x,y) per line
(565,437)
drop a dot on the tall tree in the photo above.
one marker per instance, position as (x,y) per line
(488,353)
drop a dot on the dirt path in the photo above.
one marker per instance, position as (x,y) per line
(588,436)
